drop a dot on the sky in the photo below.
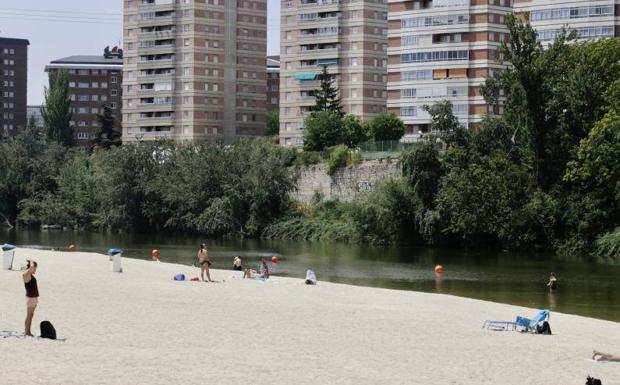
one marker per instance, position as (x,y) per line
(62,28)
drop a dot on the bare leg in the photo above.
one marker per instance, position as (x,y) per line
(29,316)
(207,270)
(598,356)
(202,271)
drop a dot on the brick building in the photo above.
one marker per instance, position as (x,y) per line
(13,84)
(273,84)
(94,80)
(194,70)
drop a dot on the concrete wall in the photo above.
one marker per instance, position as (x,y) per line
(346,183)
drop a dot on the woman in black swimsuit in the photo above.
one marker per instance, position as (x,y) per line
(32,294)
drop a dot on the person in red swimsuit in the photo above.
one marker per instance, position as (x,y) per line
(32,294)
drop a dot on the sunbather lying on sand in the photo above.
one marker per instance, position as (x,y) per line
(598,356)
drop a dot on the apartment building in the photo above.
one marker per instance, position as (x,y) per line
(347,36)
(589,19)
(194,69)
(273,84)
(13,84)
(442,49)
(94,80)
(34,113)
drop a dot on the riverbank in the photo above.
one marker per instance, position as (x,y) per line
(142,327)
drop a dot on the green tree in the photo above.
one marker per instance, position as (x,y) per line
(327,96)
(446,124)
(107,136)
(387,127)
(423,169)
(595,180)
(57,109)
(355,131)
(273,123)
(323,129)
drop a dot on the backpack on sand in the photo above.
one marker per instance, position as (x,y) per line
(545,328)
(47,330)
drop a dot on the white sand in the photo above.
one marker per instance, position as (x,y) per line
(141,327)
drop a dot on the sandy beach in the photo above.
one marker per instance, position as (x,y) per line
(141,327)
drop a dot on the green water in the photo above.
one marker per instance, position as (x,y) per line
(586,287)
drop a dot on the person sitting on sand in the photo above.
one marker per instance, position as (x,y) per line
(203,262)
(553,282)
(237,263)
(598,356)
(32,294)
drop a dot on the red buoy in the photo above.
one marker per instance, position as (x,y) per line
(274,259)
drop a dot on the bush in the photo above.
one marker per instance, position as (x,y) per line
(337,158)
(307,158)
(608,245)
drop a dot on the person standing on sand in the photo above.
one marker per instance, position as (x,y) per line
(203,262)
(237,264)
(32,294)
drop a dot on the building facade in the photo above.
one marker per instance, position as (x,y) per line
(93,82)
(442,50)
(589,19)
(13,84)
(347,36)
(194,69)
(273,84)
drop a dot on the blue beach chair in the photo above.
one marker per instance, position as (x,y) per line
(521,323)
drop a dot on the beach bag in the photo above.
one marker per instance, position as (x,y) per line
(543,328)
(47,330)
(179,277)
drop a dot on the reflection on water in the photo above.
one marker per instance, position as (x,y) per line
(586,288)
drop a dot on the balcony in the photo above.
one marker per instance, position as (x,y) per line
(319,51)
(319,3)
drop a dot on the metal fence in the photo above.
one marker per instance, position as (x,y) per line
(385,149)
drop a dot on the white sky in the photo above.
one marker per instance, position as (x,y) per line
(61,28)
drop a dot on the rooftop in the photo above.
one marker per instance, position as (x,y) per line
(9,40)
(88,59)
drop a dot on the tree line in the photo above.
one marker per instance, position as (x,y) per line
(544,175)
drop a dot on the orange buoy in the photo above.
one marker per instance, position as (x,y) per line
(72,247)
(274,259)
(439,269)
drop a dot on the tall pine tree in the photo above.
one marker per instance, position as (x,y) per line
(327,97)
(57,109)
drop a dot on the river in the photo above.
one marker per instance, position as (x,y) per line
(586,287)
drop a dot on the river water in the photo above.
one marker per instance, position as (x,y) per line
(588,288)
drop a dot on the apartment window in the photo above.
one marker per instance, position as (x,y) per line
(434,56)
(104,85)
(95,85)
(409,40)
(409,111)
(82,85)
(95,98)
(408,93)
(113,92)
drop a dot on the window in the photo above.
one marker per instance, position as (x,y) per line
(113,92)
(409,40)
(409,111)
(104,85)
(434,56)
(113,79)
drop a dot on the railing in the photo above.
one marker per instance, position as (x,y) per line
(320,3)
(385,149)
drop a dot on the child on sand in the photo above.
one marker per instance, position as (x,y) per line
(32,294)
(598,356)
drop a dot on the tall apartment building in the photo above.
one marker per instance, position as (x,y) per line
(13,84)
(273,84)
(347,36)
(94,80)
(589,19)
(442,49)
(194,69)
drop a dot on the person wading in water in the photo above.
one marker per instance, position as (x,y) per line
(32,294)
